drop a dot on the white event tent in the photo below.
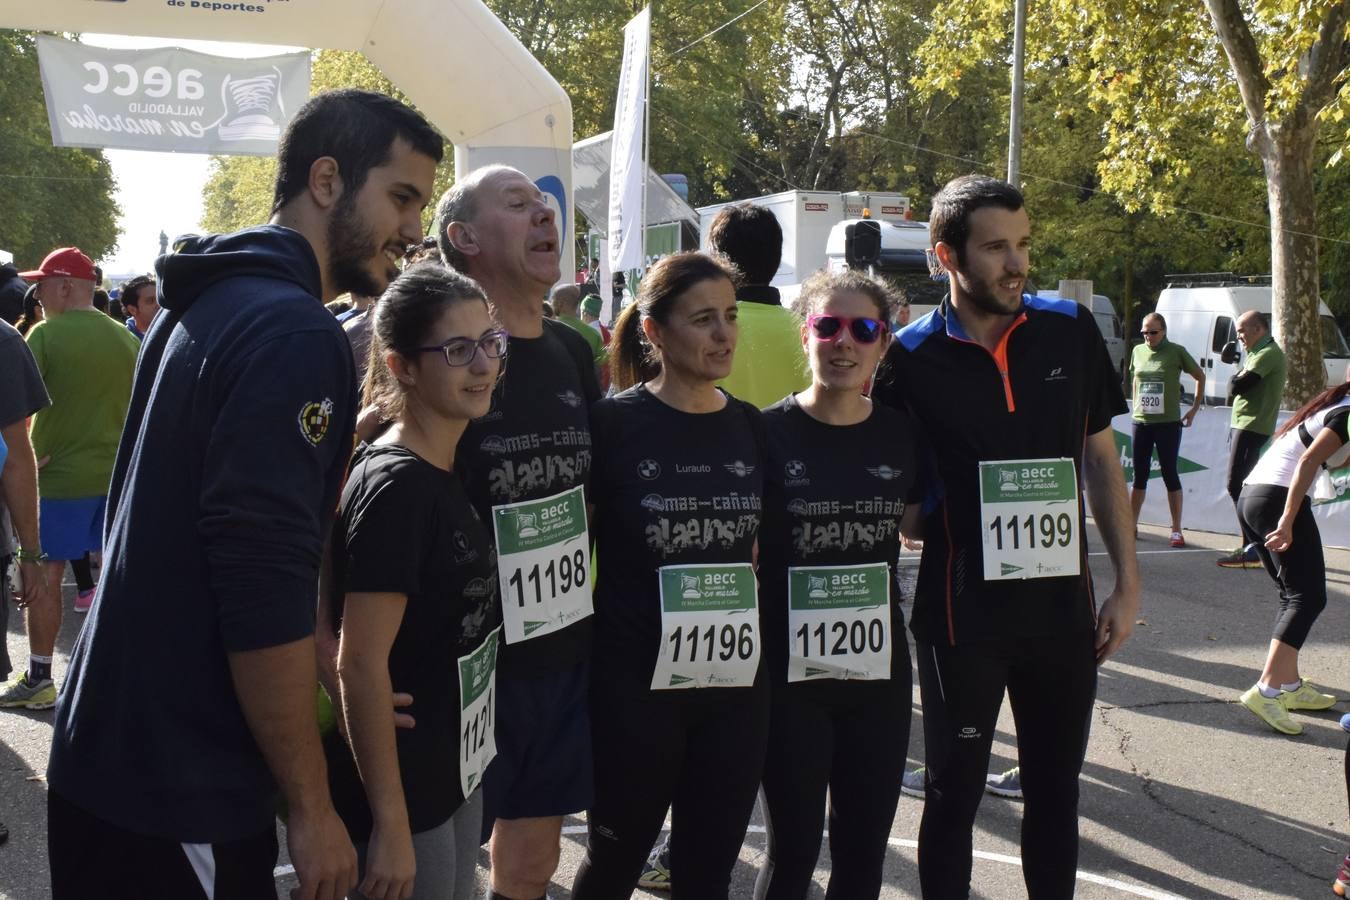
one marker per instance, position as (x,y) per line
(452,58)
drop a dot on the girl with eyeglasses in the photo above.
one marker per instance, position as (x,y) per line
(1156,368)
(840,486)
(414,589)
(679,704)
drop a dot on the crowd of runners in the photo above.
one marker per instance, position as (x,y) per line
(468,593)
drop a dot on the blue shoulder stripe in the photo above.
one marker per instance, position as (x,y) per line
(915,333)
(1051,304)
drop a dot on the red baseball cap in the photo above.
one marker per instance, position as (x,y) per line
(67,262)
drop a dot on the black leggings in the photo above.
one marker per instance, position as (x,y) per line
(855,749)
(701,756)
(1051,683)
(1244,450)
(1166,437)
(1300,572)
(84,574)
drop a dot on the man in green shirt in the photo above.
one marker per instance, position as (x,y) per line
(1257,389)
(86,361)
(566,302)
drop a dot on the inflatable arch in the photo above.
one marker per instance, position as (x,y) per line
(452,58)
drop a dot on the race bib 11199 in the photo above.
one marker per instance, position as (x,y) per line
(1029,517)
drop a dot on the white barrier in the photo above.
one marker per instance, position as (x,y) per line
(1203,467)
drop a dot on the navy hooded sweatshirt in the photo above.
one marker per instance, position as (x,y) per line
(233,453)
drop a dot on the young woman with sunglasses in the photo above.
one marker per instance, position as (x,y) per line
(839,481)
(415,598)
(1157,366)
(679,706)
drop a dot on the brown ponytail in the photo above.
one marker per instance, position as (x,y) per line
(630,358)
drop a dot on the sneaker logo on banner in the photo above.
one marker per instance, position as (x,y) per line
(314,420)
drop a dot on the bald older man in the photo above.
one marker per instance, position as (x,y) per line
(1257,389)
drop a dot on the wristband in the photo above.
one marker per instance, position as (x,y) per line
(29,556)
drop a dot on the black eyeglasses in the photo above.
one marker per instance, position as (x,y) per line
(460,351)
(1150,333)
(827,328)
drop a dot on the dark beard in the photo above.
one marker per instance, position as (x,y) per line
(983,299)
(350,246)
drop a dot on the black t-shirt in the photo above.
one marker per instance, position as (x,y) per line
(534,443)
(833,496)
(1049,385)
(406,527)
(670,488)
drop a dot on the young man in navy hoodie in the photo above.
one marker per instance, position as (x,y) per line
(189,699)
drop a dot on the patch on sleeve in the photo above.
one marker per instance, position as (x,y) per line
(314,420)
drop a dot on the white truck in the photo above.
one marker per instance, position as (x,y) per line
(901,259)
(1202,312)
(807,218)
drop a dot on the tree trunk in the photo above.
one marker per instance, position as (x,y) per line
(1127,302)
(1288,161)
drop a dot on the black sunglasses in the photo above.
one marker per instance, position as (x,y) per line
(1150,333)
(827,328)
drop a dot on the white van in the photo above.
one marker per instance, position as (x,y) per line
(1201,313)
(1108,323)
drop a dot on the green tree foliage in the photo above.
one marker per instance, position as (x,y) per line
(1263,72)
(53,197)
(1136,159)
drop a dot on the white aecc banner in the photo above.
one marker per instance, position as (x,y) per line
(169,98)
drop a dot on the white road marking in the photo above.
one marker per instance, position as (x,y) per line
(1168,550)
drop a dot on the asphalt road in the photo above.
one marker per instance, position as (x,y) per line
(1184,793)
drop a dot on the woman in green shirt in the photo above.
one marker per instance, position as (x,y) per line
(1157,365)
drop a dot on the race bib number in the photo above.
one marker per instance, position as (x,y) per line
(543,564)
(477,712)
(839,623)
(1150,398)
(1029,515)
(709,627)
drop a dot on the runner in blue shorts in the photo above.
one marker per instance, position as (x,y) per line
(86,361)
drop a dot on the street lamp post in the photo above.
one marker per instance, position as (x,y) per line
(1015,115)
